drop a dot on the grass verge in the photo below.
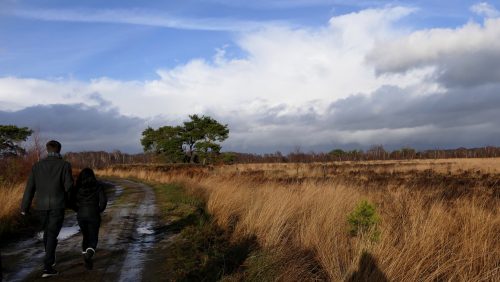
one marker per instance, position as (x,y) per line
(203,251)
(12,224)
(200,250)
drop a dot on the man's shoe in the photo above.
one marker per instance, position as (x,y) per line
(49,272)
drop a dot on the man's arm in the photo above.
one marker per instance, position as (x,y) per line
(29,193)
(67,178)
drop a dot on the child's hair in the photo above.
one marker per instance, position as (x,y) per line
(86,178)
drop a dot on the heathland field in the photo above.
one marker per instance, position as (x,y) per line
(417,220)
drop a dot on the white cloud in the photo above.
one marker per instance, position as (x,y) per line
(283,65)
(137,17)
(485,9)
(316,88)
(287,4)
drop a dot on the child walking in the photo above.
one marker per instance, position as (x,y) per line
(89,202)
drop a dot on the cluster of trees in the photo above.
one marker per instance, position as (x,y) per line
(196,140)
(11,137)
(15,161)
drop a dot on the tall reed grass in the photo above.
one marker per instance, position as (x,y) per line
(425,234)
(10,204)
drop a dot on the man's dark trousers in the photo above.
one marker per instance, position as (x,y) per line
(51,221)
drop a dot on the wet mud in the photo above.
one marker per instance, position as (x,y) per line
(128,233)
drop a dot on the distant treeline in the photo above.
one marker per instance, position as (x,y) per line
(102,159)
(374,153)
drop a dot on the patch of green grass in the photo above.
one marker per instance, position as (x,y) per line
(201,251)
(261,266)
(176,205)
(205,253)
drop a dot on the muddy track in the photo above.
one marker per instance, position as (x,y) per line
(126,238)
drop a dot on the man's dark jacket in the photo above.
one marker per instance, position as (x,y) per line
(48,183)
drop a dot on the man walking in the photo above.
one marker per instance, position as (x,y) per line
(48,184)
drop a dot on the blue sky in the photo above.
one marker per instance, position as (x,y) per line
(267,68)
(32,47)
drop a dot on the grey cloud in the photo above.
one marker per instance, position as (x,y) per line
(80,127)
(459,69)
(392,107)
(465,57)
(470,69)
(279,115)
(103,103)
(390,116)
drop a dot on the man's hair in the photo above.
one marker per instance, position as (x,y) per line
(53,146)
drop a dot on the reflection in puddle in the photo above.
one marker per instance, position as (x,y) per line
(118,190)
(66,232)
(146,230)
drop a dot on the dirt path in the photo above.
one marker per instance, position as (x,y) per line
(128,233)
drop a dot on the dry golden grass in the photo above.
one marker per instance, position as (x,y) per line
(441,225)
(486,165)
(10,201)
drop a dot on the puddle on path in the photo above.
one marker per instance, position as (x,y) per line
(143,239)
(66,232)
(146,230)
(30,251)
(118,191)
